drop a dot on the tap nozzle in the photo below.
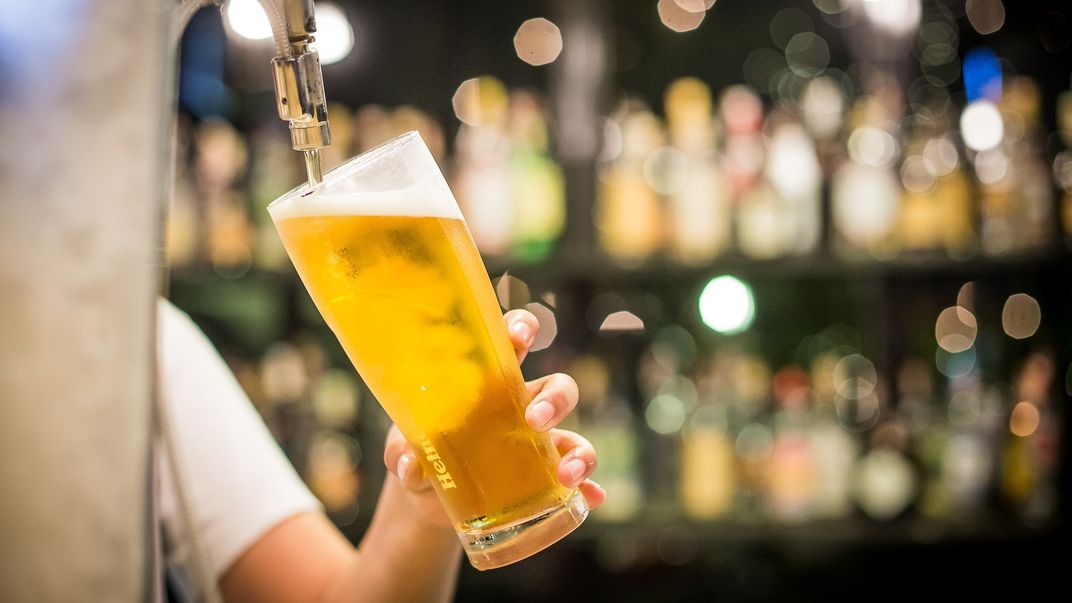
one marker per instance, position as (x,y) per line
(299,81)
(300,99)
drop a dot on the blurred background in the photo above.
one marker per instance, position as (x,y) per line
(807,259)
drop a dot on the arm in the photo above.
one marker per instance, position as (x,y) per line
(401,558)
(410,553)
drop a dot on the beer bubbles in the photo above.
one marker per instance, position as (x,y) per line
(538,42)
(727,305)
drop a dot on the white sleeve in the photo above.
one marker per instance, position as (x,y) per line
(238,481)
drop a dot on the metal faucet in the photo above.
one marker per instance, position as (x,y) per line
(299,81)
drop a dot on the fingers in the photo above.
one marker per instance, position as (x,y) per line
(522,327)
(578,457)
(593,494)
(402,461)
(553,397)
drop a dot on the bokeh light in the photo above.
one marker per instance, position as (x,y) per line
(538,41)
(955,329)
(695,6)
(884,483)
(991,166)
(1024,419)
(1021,316)
(857,414)
(898,17)
(981,125)
(727,305)
(807,54)
(677,18)
(942,155)
(760,67)
(917,174)
(665,414)
(247,19)
(873,146)
(754,442)
(548,330)
(786,24)
(966,296)
(334,33)
(855,376)
(480,101)
(792,167)
(957,365)
(1062,170)
(985,16)
(664,170)
(823,104)
(512,292)
(620,322)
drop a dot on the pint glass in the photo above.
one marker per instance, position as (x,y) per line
(387,258)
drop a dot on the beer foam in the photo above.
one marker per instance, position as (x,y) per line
(423,199)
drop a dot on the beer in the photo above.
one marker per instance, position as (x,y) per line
(396,276)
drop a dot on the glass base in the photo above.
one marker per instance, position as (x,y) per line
(490,549)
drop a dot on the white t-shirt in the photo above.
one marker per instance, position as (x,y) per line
(239,483)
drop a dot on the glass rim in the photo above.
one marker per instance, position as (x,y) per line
(376,153)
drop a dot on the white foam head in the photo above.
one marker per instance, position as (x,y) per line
(398,178)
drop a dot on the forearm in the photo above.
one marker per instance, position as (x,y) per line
(402,558)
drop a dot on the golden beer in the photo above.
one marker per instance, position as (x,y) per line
(396,276)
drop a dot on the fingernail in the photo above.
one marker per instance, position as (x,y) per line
(576,469)
(403,467)
(521,330)
(542,412)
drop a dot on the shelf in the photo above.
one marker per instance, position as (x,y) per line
(818,266)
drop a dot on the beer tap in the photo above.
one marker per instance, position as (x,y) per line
(299,81)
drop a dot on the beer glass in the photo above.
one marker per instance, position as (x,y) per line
(387,258)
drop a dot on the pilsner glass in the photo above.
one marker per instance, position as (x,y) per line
(387,258)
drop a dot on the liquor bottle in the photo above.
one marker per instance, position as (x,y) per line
(708,463)
(791,469)
(834,452)
(699,210)
(608,422)
(969,461)
(630,214)
(1017,208)
(793,173)
(1030,458)
(274,169)
(221,158)
(866,192)
(1063,166)
(482,172)
(539,192)
(936,208)
(182,219)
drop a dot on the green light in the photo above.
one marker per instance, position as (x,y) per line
(727,305)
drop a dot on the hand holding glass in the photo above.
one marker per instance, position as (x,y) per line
(387,258)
